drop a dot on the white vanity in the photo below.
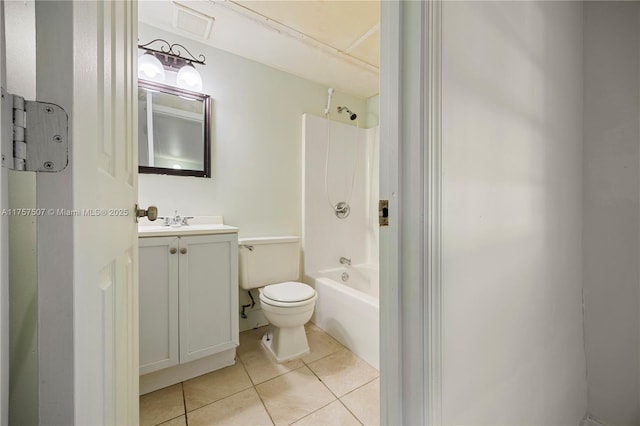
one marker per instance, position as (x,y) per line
(188,300)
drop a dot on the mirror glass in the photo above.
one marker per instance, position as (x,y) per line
(173,131)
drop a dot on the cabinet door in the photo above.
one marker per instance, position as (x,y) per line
(208,295)
(158,303)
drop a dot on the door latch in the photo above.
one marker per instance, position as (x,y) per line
(383,212)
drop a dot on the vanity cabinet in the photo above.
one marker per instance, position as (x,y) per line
(188,298)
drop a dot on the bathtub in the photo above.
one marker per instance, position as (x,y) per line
(348,309)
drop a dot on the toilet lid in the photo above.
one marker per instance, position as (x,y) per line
(288,292)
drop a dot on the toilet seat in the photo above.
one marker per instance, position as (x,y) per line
(288,294)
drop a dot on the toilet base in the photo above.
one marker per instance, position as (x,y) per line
(287,344)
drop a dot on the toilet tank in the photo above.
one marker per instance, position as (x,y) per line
(268,260)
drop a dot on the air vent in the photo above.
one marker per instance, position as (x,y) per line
(192,22)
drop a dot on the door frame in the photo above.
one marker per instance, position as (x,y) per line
(410,247)
(4,256)
(55,250)
(410,178)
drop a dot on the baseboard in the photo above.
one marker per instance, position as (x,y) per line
(179,373)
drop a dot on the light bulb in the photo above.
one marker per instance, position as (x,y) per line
(150,68)
(189,78)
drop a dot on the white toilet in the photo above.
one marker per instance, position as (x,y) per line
(272,264)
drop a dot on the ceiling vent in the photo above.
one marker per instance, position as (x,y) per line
(192,22)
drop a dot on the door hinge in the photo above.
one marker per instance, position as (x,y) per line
(383,212)
(34,135)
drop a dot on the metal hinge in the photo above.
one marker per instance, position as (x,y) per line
(34,135)
(383,212)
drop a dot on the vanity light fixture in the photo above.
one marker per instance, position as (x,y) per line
(152,64)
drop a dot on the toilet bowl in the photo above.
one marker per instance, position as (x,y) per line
(288,307)
(271,264)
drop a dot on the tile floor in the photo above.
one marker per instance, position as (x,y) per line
(330,386)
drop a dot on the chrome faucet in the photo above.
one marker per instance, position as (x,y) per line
(345,261)
(175,221)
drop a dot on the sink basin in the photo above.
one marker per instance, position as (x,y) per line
(215,226)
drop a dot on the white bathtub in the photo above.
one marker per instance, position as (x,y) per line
(349,310)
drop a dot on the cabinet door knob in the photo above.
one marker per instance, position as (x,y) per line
(173,250)
(183,250)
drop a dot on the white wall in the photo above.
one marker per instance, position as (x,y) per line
(256,144)
(23,279)
(513,349)
(611,210)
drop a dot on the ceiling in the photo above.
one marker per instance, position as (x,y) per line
(335,42)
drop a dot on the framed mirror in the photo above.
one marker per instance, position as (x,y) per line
(173,131)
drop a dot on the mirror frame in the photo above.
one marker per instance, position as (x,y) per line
(206,103)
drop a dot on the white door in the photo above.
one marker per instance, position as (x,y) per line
(104,158)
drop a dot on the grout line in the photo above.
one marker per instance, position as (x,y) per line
(339,398)
(348,393)
(256,390)
(332,393)
(325,356)
(264,405)
(254,386)
(351,391)
(349,410)
(168,420)
(184,404)
(274,377)
(315,411)
(218,400)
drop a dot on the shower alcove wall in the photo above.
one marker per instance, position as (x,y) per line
(347,310)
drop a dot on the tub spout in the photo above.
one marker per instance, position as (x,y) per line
(345,261)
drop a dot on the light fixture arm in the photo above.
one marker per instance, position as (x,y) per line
(170,55)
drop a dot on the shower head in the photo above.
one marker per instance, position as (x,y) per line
(352,115)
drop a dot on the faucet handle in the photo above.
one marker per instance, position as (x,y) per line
(166,220)
(185,220)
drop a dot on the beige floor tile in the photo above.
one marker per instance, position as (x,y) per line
(243,408)
(178,421)
(161,405)
(320,343)
(343,372)
(213,386)
(294,395)
(249,339)
(259,362)
(364,402)
(333,414)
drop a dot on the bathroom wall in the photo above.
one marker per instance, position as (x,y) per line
(513,348)
(256,144)
(373,109)
(325,237)
(612,210)
(23,280)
